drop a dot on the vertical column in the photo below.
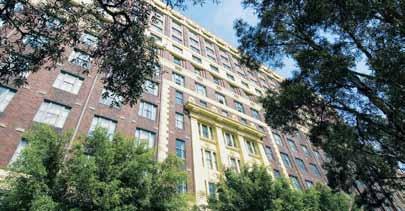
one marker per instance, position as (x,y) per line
(221,149)
(162,147)
(197,163)
(245,153)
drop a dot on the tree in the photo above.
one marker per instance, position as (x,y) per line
(255,190)
(99,174)
(356,117)
(42,30)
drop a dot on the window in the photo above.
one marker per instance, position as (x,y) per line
(209,48)
(52,114)
(179,50)
(105,123)
(245,84)
(243,121)
(180,149)
(198,71)
(89,39)
(179,121)
(200,89)
(178,79)
(230,76)
(251,147)
(301,164)
(205,131)
(182,187)
(203,103)
(151,87)
(235,90)
(177,60)
(314,169)
(6,94)
(22,145)
(156,38)
(318,155)
(224,113)
(212,190)
(211,159)
(258,92)
(306,151)
(194,42)
(177,32)
(110,99)
(158,22)
(296,184)
(239,107)
(276,173)
(269,153)
(286,160)
(179,98)
(229,139)
(234,164)
(196,59)
(277,139)
(220,98)
(217,81)
(309,184)
(255,113)
(147,110)
(68,82)
(292,145)
(145,137)
(261,128)
(213,68)
(81,59)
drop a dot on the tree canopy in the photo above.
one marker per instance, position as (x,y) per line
(36,34)
(254,189)
(356,115)
(98,174)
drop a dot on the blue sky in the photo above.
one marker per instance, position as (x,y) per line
(219,20)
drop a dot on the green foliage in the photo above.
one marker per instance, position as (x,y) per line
(356,116)
(98,174)
(254,189)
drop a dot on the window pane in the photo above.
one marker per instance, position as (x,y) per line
(105,123)
(145,137)
(6,95)
(180,149)
(52,114)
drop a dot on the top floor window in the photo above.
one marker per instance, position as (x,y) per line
(177,32)
(158,21)
(194,42)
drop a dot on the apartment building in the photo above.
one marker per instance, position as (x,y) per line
(202,106)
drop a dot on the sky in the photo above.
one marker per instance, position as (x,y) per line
(219,18)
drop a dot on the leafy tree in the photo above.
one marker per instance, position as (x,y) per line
(34,35)
(255,190)
(357,117)
(99,174)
